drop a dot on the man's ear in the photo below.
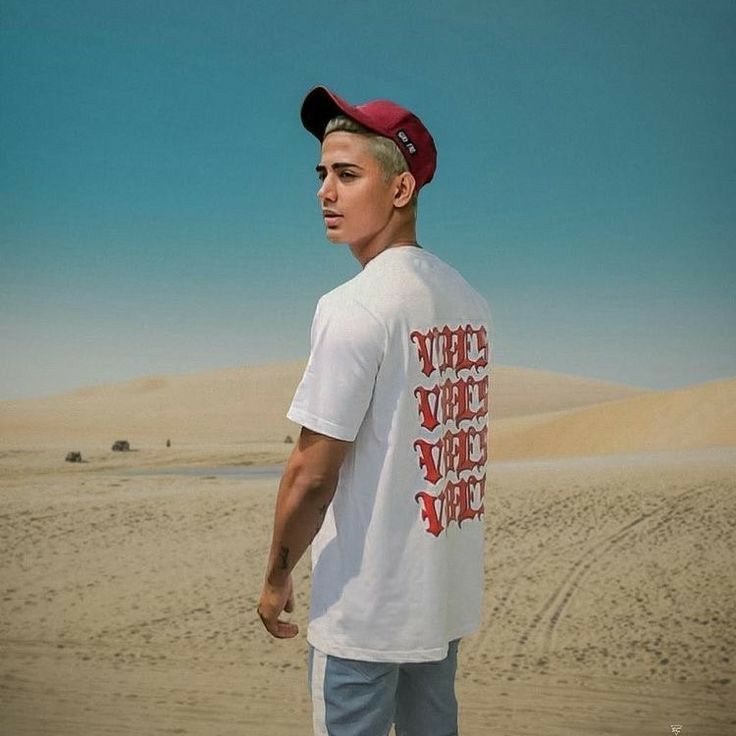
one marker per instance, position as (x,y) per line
(404,187)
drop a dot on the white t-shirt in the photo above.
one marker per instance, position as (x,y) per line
(400,363)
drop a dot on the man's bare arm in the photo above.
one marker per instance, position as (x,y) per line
(305,492)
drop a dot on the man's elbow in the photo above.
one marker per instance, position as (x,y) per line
(314,464)
(310,480)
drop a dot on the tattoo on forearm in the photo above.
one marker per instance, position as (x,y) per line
(283,557)
(322,512)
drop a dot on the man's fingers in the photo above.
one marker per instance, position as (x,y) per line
(281,629)
(278,628)
(275,600)
(285,630)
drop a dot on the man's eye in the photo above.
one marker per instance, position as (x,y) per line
(347,175)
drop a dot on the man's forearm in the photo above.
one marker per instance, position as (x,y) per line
(300,510)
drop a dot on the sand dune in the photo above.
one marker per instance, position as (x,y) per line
(520,391)
(689,418)
(244,404)
(229,405)
(534,413)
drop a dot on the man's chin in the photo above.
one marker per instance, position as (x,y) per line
(334,236)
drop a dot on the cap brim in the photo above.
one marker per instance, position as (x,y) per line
(319,107)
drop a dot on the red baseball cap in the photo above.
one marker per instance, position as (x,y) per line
(380,116)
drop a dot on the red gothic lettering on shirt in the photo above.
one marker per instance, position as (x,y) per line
(481,344)
(466,450)
(455,401)
(458,452)
(432,511)
(464,399)
(444,348)
(430,457)
(455,348)
(455,411)
(428,405)
(457,502)
(464,499)
(425,348)
(452,401)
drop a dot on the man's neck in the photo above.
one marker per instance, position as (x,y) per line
(403,236)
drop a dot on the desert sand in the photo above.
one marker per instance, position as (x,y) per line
(128,583)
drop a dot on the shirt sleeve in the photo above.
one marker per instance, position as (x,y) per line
(347,348)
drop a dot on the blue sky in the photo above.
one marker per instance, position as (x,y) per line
(157,191)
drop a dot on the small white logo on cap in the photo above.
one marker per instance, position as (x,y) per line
(404,138)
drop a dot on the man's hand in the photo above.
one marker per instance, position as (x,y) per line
(274,600)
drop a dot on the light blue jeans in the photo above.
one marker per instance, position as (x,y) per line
(356,698)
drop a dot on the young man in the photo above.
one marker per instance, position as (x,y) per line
(388,475)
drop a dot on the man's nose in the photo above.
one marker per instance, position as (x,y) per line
(326,192)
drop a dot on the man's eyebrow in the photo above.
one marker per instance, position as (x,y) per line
(337,166)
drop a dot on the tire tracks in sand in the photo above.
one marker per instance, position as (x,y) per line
(545,622)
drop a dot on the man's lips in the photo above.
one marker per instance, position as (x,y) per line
(331,218)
